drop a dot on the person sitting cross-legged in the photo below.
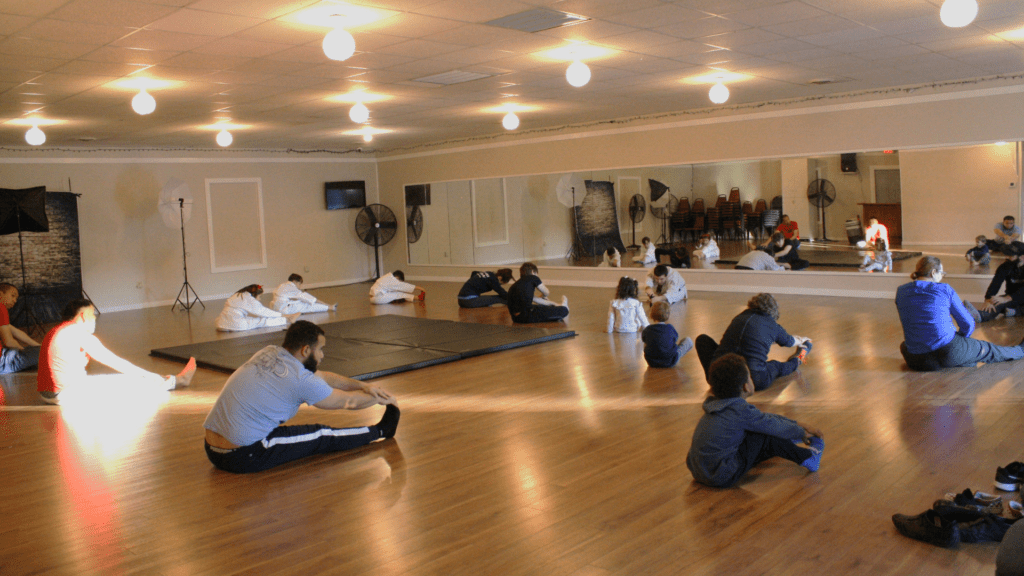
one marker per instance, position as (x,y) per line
(18,351)
(245,430)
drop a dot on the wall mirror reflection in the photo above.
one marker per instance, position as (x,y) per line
(920,198)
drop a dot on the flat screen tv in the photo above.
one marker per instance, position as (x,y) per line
(342,195)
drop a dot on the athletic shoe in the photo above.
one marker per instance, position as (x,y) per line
(1010,312)
(388,424)
(972,311)
(50,398)
(980,501)
(801,352)
(1015,509)
(928,527)
(817,448)
(1010,478)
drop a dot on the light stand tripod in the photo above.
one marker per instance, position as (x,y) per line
(186,287)
(26,295)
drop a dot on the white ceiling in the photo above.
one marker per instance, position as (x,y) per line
(254,63)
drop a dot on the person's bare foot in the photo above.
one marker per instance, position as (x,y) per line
(291,318)
(184,378)
(334,306)
(565,301)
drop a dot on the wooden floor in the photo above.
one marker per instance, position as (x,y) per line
(565,458)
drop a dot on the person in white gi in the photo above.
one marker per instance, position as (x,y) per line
(664,284)
(290,299)
(242,311)
(392,287)
(647,256)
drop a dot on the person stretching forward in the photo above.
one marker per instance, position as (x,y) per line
(244,431)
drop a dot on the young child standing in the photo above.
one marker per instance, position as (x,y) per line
(979,255)
(626,313)
(880,260)
(648,256)
(734,436)
(661,350)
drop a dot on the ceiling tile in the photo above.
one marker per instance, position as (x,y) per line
(588,31)
(819,25)
(234,45)
(204,23)
(410,25)
(281,32)
(801,55)
(161,40)
(43,48)
(87,67)
(111,12)
(11,24)
(703,27)
(638,41)
(777,14)
(710,58)
(740,38)
(75,32)
(472,10)
(419,49)
(305,54)
(774,47)
(474,35)
(842,36)
(886,54)
(603,8)
(205,62)
(662,15)
(128,55)
(262,9)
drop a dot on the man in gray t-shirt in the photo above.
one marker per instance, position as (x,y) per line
(245,431)
(1007,235)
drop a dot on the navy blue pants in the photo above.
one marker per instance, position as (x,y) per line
(481,301)
(287,443)
(540,313)
(757,448)
(762,377)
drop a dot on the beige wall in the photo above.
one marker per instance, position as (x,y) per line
(963,191)
(131,259)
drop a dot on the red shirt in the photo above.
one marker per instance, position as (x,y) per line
(5,319)
(788,229)
(62,356)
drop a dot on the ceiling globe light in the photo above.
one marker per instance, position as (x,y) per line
(224,138)
(719,93)
(367,137)
(34,136)
(510,121)
(578,74)
(143,103)
(359,113)
(339,45)
(958,13)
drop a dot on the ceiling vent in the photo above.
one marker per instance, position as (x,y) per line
(453,77)
(537,20)
(822,81)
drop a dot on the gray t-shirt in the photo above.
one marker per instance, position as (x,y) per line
(1008,231)
(262,394)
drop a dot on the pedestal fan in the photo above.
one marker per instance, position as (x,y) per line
(175,207)
(376,226)
(822,194)
(637,211)
(413,223)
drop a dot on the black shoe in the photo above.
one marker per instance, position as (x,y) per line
(980,501)
(991,528)
(949,511)
(388,424)
(1010,478)
(928,527)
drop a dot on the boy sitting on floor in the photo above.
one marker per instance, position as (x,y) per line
(733,436)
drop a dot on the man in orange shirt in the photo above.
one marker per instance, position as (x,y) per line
(788,228)
(18,351)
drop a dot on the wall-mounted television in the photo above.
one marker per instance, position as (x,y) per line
(342,195)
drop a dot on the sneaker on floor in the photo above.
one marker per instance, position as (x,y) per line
(1015,509)
(817,448)
(1009,479)
(928,527)
(972,311)
(50,398)
(980,501)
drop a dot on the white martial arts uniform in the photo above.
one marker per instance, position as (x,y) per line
(708,252)
(387,289)
(243,312)
(672,291)
(612,261)
(648,257)
(288,299)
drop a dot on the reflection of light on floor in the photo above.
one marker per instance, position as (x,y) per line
(531,488)
(586,402)
(107,414)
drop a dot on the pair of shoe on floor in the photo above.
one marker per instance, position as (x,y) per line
(964,518)
(1010,478)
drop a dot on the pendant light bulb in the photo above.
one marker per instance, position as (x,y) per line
(143,103)
(958,13)
(510,121)
(34,136)
(224,138)
(367,137)
(359,113)
(339,44)
(578,74)
(719,94)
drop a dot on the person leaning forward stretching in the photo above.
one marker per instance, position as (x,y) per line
(244,431)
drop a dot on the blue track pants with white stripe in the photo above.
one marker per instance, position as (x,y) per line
(287,443)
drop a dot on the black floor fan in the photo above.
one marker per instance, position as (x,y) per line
(637,211)
(822,194)
(376,226)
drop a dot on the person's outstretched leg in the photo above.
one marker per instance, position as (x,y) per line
(481,301)
(774,370)
(969,351)
(287,443)
(706,347)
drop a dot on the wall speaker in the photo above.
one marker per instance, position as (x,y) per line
(848,162)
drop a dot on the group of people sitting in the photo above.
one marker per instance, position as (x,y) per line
(707,251)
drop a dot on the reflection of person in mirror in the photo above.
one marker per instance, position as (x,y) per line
(707,250)
(879,260)
(525,306)
(664,284)
(1007,235)
(392,287)
(875,231)
(474,291)
(242,311)
(69,346)
(979,255)
(678,255)
(290,299)
(245,431)
(18,351)
(789,229)
(647,256)
(612,258)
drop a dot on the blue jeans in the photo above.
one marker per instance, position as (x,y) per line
(12,360)
(961,352)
